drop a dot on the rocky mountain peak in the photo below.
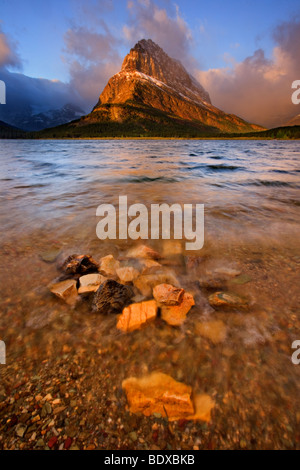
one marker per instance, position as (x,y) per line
(153,87)
(147,58)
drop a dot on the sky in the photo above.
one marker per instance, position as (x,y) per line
(246,53)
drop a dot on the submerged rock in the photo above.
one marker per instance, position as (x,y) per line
(66,290)
(143,251)
(109,266)
(146,282)
(214,330)
(228,300)
(150,266)
(166,294)
(51,255)
(159,394)
(241,280)
(112,297)
(127,274)
(203,405)
(212,283)
(79,264)
(175,315)
(136,315)
(90,283)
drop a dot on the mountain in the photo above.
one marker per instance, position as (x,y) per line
(25,118)
(10,132)
(153,95)
(295,121)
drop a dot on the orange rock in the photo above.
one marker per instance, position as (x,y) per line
(166,294)
(203,406)
(108,266)
(136,315)
(146,282)
(159,393)
(214,330)
(127,274)
(175,315)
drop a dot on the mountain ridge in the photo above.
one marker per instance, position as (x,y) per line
(153,90)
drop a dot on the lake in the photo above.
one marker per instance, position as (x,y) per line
(50,191)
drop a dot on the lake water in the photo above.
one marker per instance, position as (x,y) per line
(49,192)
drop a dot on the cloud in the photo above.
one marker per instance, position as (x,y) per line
(8,56)
(92,58)
(258,88)
(165,27)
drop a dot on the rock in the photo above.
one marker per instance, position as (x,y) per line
(143,251)
(159,393)
(127,274)
(79,264)
(68,443)
(112,297)
(212,283)
(20,429)
(241,280)
(149,266)
(175,315)
(203,405)
(40,443)
(90,283)
(136,315)
(49,256)
(214,330)
(225,272)
(109,266)
(146,282)
(227,300)
(66,290)
(52,442)
(166,294)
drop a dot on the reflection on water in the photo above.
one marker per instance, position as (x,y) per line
(49,192)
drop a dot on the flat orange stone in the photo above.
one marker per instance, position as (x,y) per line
(136,315)
(159,393)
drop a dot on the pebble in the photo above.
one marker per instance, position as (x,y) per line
(227,300)
(79,264)
(108,266)
(127,274)
(66,290)
(112,297)
(90,283)
(166,294)
(175,315)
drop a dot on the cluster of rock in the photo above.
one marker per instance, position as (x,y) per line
(138,288)
(125,290)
